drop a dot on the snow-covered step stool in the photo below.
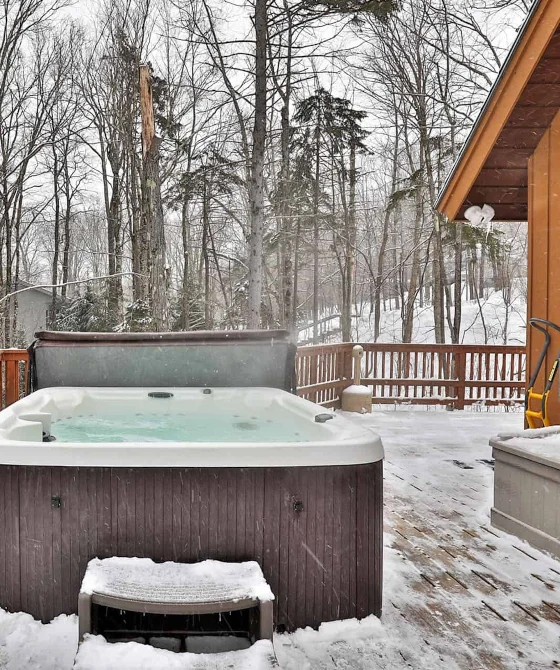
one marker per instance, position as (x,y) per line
(208,587)
(95,653)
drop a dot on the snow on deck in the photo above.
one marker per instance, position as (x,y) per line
(457,592)
(97,654)
(203,582)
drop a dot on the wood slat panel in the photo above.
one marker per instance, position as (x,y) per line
(519,138)
(317,566)
(499,194)
(540,95)
(553,48)
(10,578)
(14,370)
(530,117)
(547,71)
(506,158)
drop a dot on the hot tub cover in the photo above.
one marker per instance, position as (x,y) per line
(198,358)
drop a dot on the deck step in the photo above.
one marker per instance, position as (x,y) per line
(141,579)
(207,587)
(95,653)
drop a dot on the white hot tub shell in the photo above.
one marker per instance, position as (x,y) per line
(326,438)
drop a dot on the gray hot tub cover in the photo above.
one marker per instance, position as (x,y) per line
(198,358)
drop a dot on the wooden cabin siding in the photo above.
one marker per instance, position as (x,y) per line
(543,271)
(323,563)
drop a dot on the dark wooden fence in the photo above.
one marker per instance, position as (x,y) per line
(457,375)
(448,374)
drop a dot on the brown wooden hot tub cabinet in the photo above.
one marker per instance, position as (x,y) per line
(316,531)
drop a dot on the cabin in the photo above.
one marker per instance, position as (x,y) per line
(511,161)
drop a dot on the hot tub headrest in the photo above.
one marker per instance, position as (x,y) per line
(196,358)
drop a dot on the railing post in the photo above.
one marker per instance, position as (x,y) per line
(460,373)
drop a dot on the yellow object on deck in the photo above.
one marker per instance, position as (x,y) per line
(534,416)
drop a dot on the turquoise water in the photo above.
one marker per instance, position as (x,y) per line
(158,427)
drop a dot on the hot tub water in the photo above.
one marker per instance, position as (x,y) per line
(184,427)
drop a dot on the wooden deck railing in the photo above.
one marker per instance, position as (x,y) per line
(456,375)
(14,368)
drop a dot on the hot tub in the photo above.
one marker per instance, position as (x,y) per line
(186,474)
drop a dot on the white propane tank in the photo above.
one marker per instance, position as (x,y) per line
(357,398)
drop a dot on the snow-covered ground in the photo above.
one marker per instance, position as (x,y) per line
(437,500)
(494,321)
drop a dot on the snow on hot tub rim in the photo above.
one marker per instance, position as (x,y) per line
(347,444)
(541,445)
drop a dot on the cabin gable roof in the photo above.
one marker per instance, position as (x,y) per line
(492,167)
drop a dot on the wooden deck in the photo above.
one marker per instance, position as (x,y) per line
(476,610)
(458,593)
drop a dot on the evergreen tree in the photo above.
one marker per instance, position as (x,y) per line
(329,137)
(138,318)
(85,313)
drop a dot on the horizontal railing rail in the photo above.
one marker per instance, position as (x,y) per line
(14,370)
(455,375)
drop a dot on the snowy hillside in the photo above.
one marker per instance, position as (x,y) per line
(494,321)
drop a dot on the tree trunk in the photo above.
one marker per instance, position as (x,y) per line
(139,242)
(350,260)
(481,273)
(152,209)
(286,246)
(458,293)
(56,248)
(186,239)
(384,240)
(296,274)
(256,185)
(414,281)
(152,214)
(113,225)
(205,256)
(67,219)
(316,192)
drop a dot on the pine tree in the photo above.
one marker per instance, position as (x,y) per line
(331,135)
(86,313)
